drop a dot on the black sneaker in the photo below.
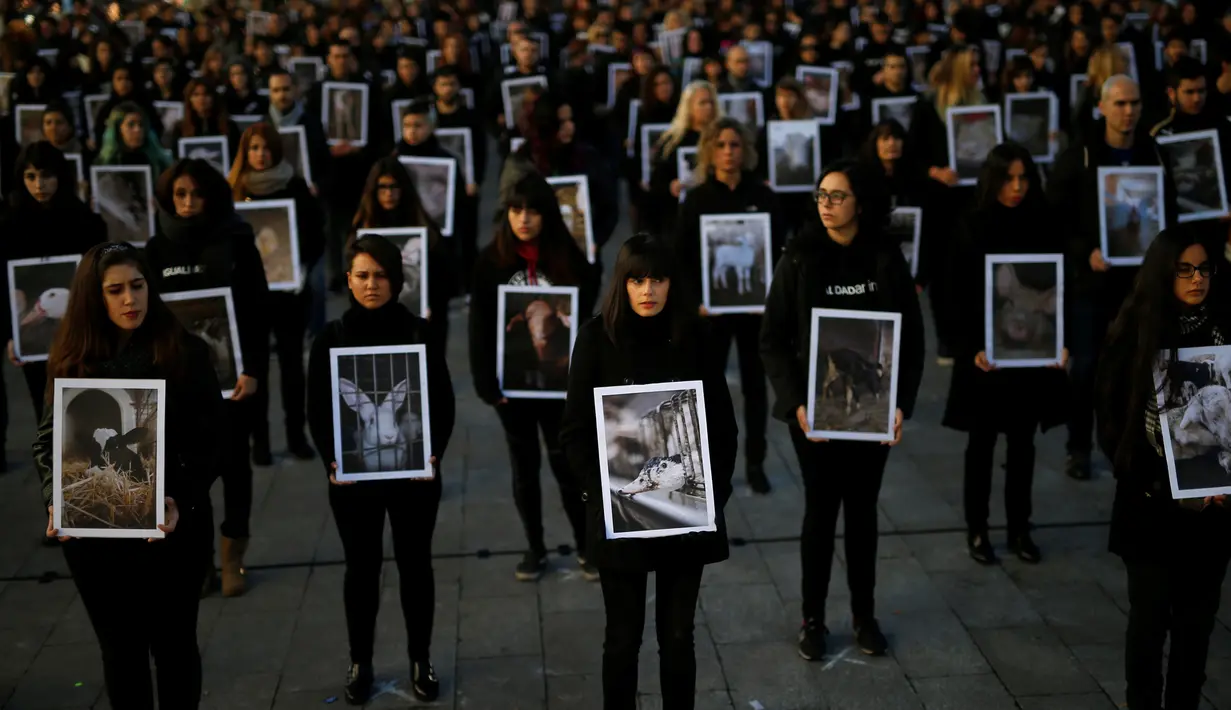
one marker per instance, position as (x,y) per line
(1077,466)
(812,640)
(757,480)
(588,571)
(980,548)
(1025,549)
(869,639)
(359,683)
(423,681)
(532,566)
(298,446)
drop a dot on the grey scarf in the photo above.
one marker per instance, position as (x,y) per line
(289,119)
(260,183)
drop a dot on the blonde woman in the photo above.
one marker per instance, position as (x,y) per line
(1106,62)
(697,110)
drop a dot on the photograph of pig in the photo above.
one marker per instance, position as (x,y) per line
(535,340)
(381,423)
(1024,309)
(736,262)
(107,440)
(853,374)
(1195,419)
(656,476)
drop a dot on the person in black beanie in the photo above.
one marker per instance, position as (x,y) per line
(844,262)
(376,318)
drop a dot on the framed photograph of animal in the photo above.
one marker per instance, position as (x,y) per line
(295,151)
(381,422)
(458,141)
(209,314)
(630,141)
(760,61)
(436,181)
(107,458)
(276,225)
(1033,120)
(412,241)
(344,112)
(1131,212)
(573,194)
(1195,419)
(536,327)
(849,98)
(650,133)
(214,150)
(656,471)
(906,225)
(170,113)
(38,298)
(1195,161)
(973,131)
(399,108)
(736,262)
(686,169)
(899,108)
(617,74)
(93,106)
(853,374)
(29,123)
(1024,309)
(513,93)
(124,197)
(747,107)
(794,155)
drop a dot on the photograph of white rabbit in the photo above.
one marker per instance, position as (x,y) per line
(1195,418)
(654,460)
(107,443)
(534,341)
(38,298)
(381,422)
(209,314)
(1023,309)
(736,262)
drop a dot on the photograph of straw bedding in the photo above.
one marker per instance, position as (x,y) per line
(101,497)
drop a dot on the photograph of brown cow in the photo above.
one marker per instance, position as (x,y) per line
(537,327)
(852,381)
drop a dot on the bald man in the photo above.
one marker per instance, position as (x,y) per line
(737,79)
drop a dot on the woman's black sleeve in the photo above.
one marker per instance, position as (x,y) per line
(311,222)
(440,396)
(251,293)
(442,276)
(910,354)
(662,173)
(578,433)
(482,335)
(779,341)
(320,395)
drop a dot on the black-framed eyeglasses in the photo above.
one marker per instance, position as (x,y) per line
(1185,270)
(836,198)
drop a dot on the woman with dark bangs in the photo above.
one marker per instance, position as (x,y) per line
(117,327)
(124,90)
(648,332)
(531,247)
(204,115)
(905,183)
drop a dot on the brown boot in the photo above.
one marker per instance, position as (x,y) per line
(233,565)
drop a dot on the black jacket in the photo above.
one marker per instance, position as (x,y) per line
(216,252)
(391,324)
(875,277)
(649,353)
(309,218)
(468,118)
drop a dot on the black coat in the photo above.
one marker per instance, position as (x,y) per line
(647,354)
(309,218)
(318,147)
(1038,395)
(391,324)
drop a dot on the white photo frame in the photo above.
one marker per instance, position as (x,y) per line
(357,376)
(351,125)
(614,70)
(740,105)
(829,323)
(1198,48)
(244,121)
(977,135)
(541,376)
(634,107)
(677,485)
(398,109)
(28,123)
(199,311)
(787,142)
(899,108)
(92,104)
(302,160)
(690,70)
(1023,324)
(1077,82)
(468,94)
(576,208)
(124,196)
(917,63)
(412,243)
(1130,55)
(1195,159)
(650,133)
(452,138)
(1123,244)
(737,242)
(427,174)
(170,113)
(1019,106)
(846,81)
(83,187)
(686,169)
(276,225)
(761,69)
(906,223)
(213,145)
(38,299)
(820,91)
(125,405)
(512,104)
(1195,467)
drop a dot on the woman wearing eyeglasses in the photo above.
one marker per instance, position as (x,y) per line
(1175,551)
(844,262)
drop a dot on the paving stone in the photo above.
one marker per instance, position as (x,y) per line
(985,598)
(575,692)
(1032,661)
(774,675)
(1088,701)
(933,643)
(975,692)
(572,642)
(1105,663)
(745,566)
(1080,613)
(566,590)
(499,626)
(249,643)
(46,686)
(244,691)
(34,604)
(706,700)
(512,682)
(739,614)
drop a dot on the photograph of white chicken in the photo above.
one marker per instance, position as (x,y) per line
(38,294)
(656,471)
(1195,420)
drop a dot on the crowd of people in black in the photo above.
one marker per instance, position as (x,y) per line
(619,93)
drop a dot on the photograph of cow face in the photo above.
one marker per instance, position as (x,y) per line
(123,196)
(736,262)
(1030,122)
(1131,212)
(1024,306)
(535,340)
(654,460)
(277,239)
(899,109)
(380,413)
(854,373)
(1196,166)
(1195,406)
(210,315)
(38,292)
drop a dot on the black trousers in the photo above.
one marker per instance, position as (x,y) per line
(1090,323)
(466,235)
(839,475)
(675,604)
(142,600)
(1019,478)
(359,511)
(236,473)
(745,330)
(522,420)
(288,315)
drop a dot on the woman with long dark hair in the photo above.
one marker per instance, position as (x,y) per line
(647,333)
(204,115)
(726,164)
(1174,583)
(203,243)
(845,262)
(129,140)
(376,318)
(531,247)
(124,90)
(260,173)
(1011,216)
(116,327)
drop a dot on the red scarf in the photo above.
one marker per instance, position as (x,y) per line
(530,252)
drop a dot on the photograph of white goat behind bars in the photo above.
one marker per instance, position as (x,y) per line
(1195,419)
(853,374)
(381,423)
(534,341)
(656,474)
(107,443)
(1024,309)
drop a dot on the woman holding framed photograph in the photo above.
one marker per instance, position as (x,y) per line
(375,318)
(697,111)
(117,327)
(128,139)
(204,115)
(843,262)
(648,333)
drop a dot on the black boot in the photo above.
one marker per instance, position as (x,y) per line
(297,444)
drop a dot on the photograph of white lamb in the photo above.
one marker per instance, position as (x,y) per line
(736,262)
(380,418)
(1195,417)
